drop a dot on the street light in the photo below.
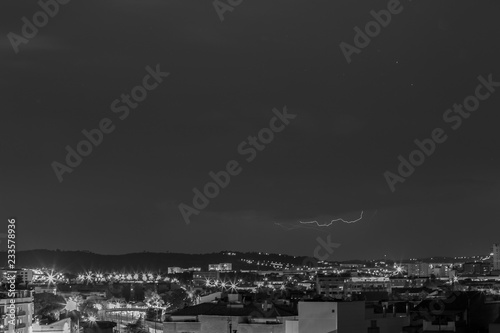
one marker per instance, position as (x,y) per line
(230,322)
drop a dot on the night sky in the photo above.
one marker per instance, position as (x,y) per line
(351,123)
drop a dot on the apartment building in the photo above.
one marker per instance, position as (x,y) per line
(16,314)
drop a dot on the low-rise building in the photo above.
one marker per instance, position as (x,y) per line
(177,270)
(45,289)
(410,281)
(338,316)
(363,284)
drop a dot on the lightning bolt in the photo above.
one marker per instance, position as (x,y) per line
(335,220)
(315,225)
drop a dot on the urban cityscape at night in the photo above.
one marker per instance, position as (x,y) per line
(249,166)
(257,292)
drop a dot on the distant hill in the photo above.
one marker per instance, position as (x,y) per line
(81,261)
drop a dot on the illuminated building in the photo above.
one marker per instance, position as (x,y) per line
(331,286)
(23,275)
(220,267)
(16,317)
(175,270)
(365,284)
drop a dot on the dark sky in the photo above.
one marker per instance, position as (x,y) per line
(353,120)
